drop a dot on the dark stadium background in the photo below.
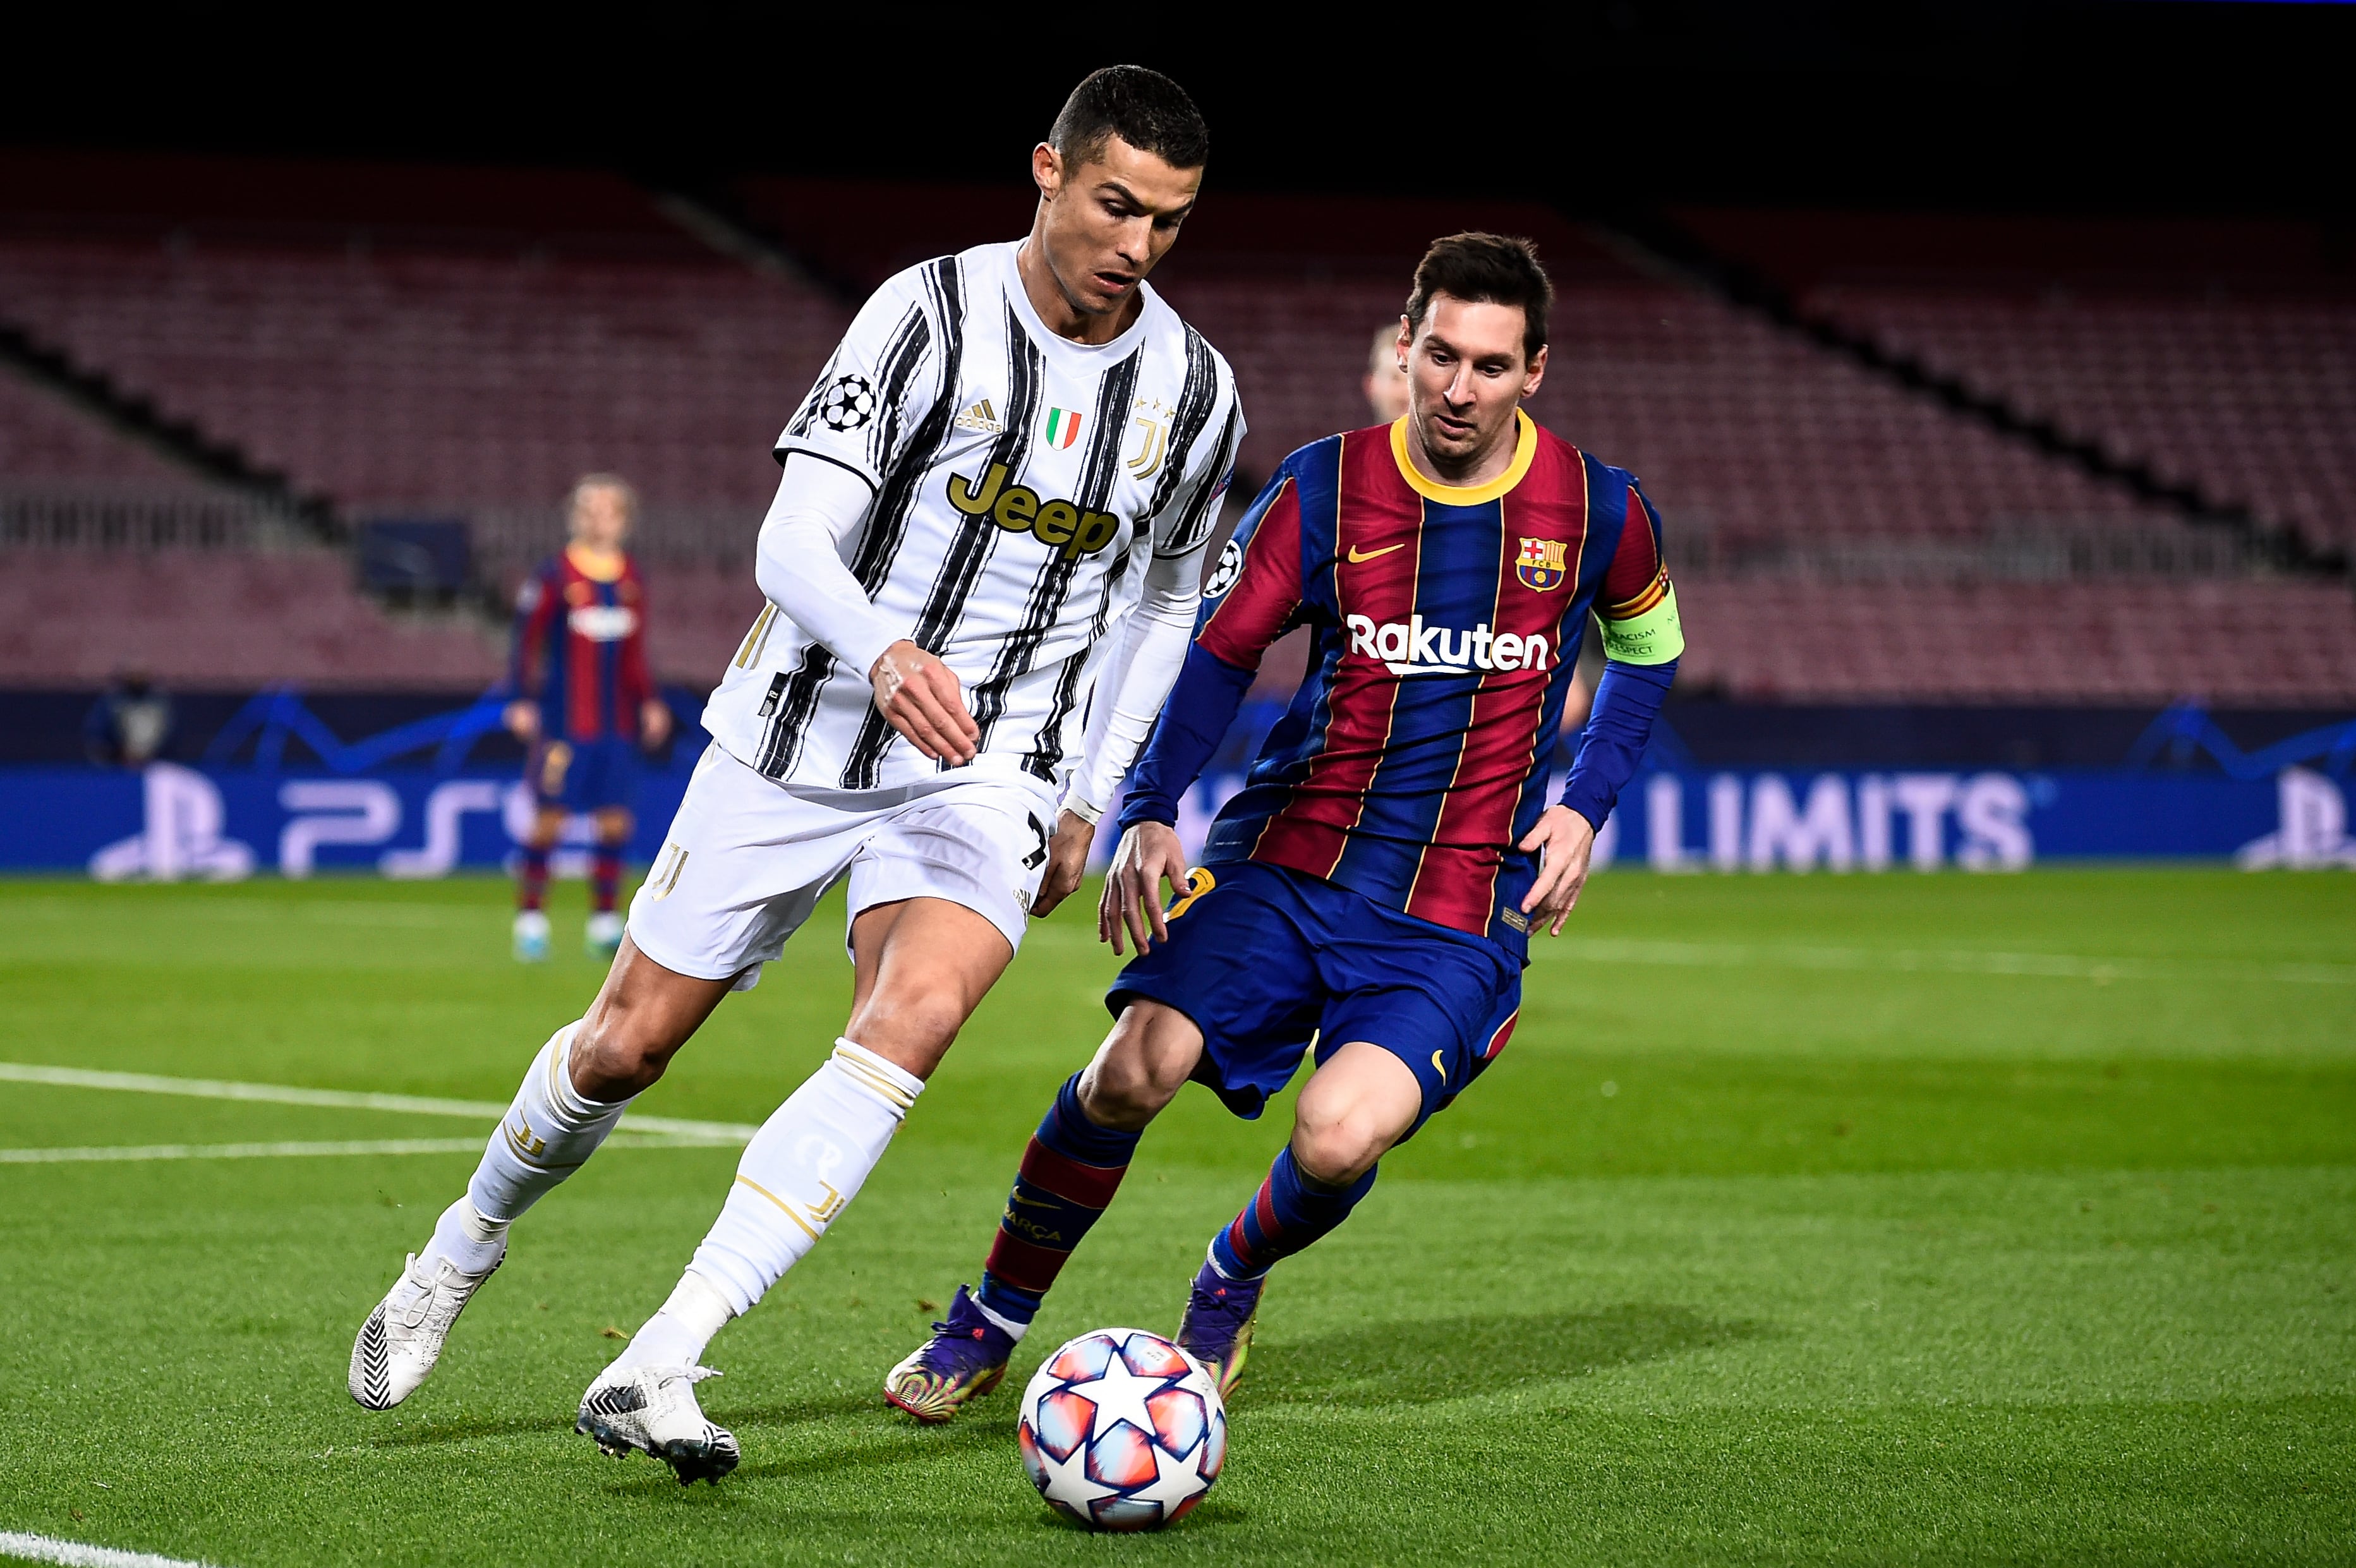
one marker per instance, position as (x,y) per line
(1990,361)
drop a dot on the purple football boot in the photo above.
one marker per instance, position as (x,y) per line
(1217,1327)
(964,1360)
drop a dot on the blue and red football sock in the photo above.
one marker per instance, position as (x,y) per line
(1289,1213)
(532,878)
(605,879)
(1070,1174)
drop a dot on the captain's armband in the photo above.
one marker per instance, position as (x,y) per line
(1650,636)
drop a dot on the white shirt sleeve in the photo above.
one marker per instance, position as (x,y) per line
(818,510)
(883,380)
(1186,517)
(1136,679)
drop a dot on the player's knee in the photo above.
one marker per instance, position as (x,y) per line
(1124,1091)
(911,1031)
(614,1057)
(1140,1069)
(1335,1149)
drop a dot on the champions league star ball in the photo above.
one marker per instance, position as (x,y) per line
(1122,1430)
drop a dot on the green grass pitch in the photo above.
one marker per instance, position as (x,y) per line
(1861,1220)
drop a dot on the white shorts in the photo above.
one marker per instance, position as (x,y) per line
(748,860)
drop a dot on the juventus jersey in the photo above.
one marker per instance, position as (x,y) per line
(1021,483)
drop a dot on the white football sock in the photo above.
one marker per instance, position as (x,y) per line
(674,1336)
(1006,1325)
(544,1137)
(466,1239)
(805,1163)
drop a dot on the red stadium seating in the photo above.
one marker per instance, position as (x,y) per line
(2253,400)
(219,618)
(468,348)
(417,382)
(47,443)
(2284,643)
(1736,427)
(2219,354)
(236,618)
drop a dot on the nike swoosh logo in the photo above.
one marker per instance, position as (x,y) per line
(1357,555)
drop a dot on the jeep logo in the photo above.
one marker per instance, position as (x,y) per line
(1059,524)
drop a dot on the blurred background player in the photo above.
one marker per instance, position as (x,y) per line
(1372,890)
(583,705)
(130,724)
(1386,383)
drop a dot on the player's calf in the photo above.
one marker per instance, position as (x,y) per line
(1070,1170)
(1291,1210)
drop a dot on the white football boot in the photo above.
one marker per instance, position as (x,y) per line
(403,1337)
(602,937)
(532,936)
(653,1411)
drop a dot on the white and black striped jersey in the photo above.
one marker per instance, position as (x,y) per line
(1021,484)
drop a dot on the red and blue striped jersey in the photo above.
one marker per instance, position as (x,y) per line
(1446,622)
(581,650)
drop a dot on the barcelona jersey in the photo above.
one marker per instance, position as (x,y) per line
(581,650)
(1446,622)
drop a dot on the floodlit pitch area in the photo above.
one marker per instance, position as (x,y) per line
(1936,1218)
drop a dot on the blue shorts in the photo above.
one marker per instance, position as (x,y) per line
(1262,959)
(583,775)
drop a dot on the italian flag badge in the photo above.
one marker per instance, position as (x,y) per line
(1063,429)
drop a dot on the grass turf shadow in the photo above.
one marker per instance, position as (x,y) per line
(1423,1360)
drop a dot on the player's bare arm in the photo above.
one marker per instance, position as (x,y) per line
(654,724)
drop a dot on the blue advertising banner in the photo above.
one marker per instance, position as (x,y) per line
(170,821)
(412,800)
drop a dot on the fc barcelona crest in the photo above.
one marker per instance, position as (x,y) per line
(1541,564)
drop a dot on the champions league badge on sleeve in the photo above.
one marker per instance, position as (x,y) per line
(1224,575)
(848,404)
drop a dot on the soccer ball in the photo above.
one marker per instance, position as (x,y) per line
(1122,1430)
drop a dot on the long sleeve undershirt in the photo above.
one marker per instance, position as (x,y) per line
(1137,678)
(1627,699)
(798,563)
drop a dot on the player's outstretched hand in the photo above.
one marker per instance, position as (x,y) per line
(654,724)
(521,718)
(1067,861)
(1564,839)
(919,697)
(1149,855)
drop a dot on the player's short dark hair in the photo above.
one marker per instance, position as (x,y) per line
(1143,108)
(604,481)
(1485,268)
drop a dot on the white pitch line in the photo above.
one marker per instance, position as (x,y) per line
(339,1099)
(76,1554)
(114,1153)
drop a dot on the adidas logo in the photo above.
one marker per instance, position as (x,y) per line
(980,417)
